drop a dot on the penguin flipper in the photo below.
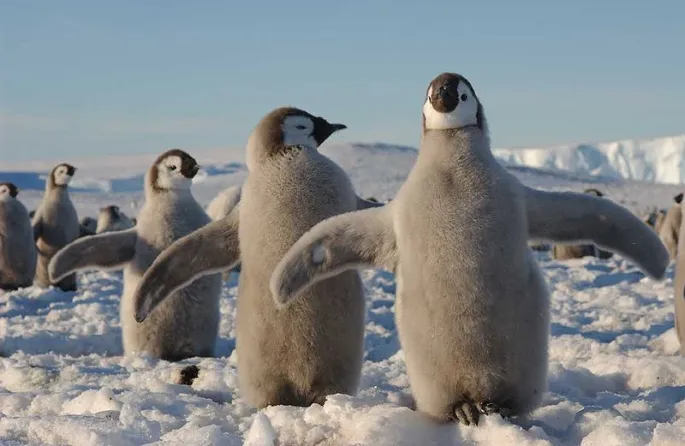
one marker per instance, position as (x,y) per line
(571,217)
(37,229)
(343,242)
(103,251)
(208,250)
(367,204)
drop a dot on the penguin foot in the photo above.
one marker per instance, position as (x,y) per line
(467,413)
(489,408)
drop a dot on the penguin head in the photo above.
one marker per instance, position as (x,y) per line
(173,170)
(678,198)
(62,174)
(451,103)
(111,211)
(286,128)
(8,191)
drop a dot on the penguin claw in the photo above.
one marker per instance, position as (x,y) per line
(467,413)
(488,407)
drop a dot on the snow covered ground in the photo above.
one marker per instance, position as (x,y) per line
(615,377)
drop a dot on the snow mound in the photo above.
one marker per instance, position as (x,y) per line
(659,160)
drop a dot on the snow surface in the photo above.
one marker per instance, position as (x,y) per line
(615,375)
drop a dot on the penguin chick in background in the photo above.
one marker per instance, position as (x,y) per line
(472,307)
(315,348)
(17,247)
(669,232)
(110,218)
(55,225)
(187,323)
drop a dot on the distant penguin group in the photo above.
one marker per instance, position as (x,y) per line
(472,308)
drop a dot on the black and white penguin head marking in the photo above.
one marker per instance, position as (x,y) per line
(451,103)
(8,191)
(287,128)
(62,174)
(112,211)
(173,170)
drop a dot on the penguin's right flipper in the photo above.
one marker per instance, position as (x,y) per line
(211,249)
(103,251)
(343,242)
(571,217)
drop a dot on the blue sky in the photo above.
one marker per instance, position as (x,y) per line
(84,78)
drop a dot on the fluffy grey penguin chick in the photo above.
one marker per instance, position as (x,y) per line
(472,307)
(670,227)
(315,347)
(187,323)
(566,252)
(17,247)
(110,218)
(55,225)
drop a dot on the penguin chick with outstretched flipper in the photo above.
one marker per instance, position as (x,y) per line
(17,247)
(55,225)
(316,347)
(472,307)
(187,323)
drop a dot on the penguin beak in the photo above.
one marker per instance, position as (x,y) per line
(71,170)
(191,172)
(324,129)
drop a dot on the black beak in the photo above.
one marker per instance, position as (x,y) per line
(71,170)
(444,100)
(190,171)
(324,129)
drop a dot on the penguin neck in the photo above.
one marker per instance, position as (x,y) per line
(56,191)
(162,198)
(456,149)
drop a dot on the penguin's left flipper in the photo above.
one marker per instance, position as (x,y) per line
(211,249)
(347,241)
(103,251)
(573,217)
(37,229)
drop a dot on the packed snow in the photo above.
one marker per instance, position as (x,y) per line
(615,374)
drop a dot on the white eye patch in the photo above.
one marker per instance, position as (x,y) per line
(61,177)
(298,130)
(466,112)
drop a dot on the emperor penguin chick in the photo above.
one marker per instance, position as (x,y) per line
(110,218)
(669,232)
(472,307)
(17,247)
(187,323)
(55,225)
(315,348)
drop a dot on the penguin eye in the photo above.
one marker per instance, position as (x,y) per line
(301,127)
(463,97)
(172,167)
